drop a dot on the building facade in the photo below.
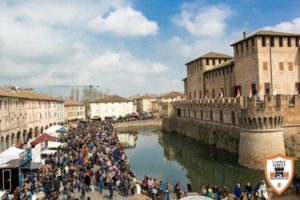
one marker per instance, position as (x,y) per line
(170,97)
(73,110)
(144,103)
(264,63)
(25,114)
(267,62)
(195,84)
(111,106)
(13,118)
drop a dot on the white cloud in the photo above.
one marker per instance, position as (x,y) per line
(287,26)
(125,21)
(191,48)
(124,63)
(50,42)
(208,21)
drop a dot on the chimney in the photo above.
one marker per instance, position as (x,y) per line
(28,89)
(244,34)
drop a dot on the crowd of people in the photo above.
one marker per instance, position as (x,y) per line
(164,190)
(93,159)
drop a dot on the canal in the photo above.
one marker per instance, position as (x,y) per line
(176,158)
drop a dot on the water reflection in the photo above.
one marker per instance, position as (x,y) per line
(205,164)
(127,139)
(176,158)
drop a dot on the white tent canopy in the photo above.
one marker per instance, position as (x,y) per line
(10,154)
(53,130)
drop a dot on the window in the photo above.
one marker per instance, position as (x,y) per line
(297,41)
(280,42)
(201,113)
(281,67)
(214,61)
(195,95)
(211,115)
(207,61)
(265,66)
(272,42)
(213,93)
(221,116)
(242,47)
(290,66)
(263,41)
(220,60)
(289,41)
(247,44)
(253,89)
(200,94)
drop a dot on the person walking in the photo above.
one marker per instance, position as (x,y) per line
(248,191)
(168,191)
(238,192)
(111,190)
(177,190)
(87,182)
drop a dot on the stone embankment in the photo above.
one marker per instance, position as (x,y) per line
(138,123)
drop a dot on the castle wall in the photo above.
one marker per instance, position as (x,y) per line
(251,128)
(279,60)
(246,67)
(221,80)
(256,145)
(196,85)
(222,136)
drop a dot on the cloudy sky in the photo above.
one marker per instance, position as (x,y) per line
(127,46)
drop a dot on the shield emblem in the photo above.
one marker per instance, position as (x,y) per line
(279,172)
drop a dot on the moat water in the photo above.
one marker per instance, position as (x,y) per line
(177,158)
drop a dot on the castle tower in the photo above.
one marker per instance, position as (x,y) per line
(261,133)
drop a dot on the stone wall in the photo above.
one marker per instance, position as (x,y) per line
(148,122)
(222,136)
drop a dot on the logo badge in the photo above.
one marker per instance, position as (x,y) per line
(279,172)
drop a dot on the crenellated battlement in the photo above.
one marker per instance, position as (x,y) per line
(249,109)
(261,123)
(262,103)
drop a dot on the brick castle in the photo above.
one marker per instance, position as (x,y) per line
(248,104)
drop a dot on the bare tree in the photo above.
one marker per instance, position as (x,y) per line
(85,95)
(77,94)
(72,94)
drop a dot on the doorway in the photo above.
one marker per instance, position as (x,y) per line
(6,180)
